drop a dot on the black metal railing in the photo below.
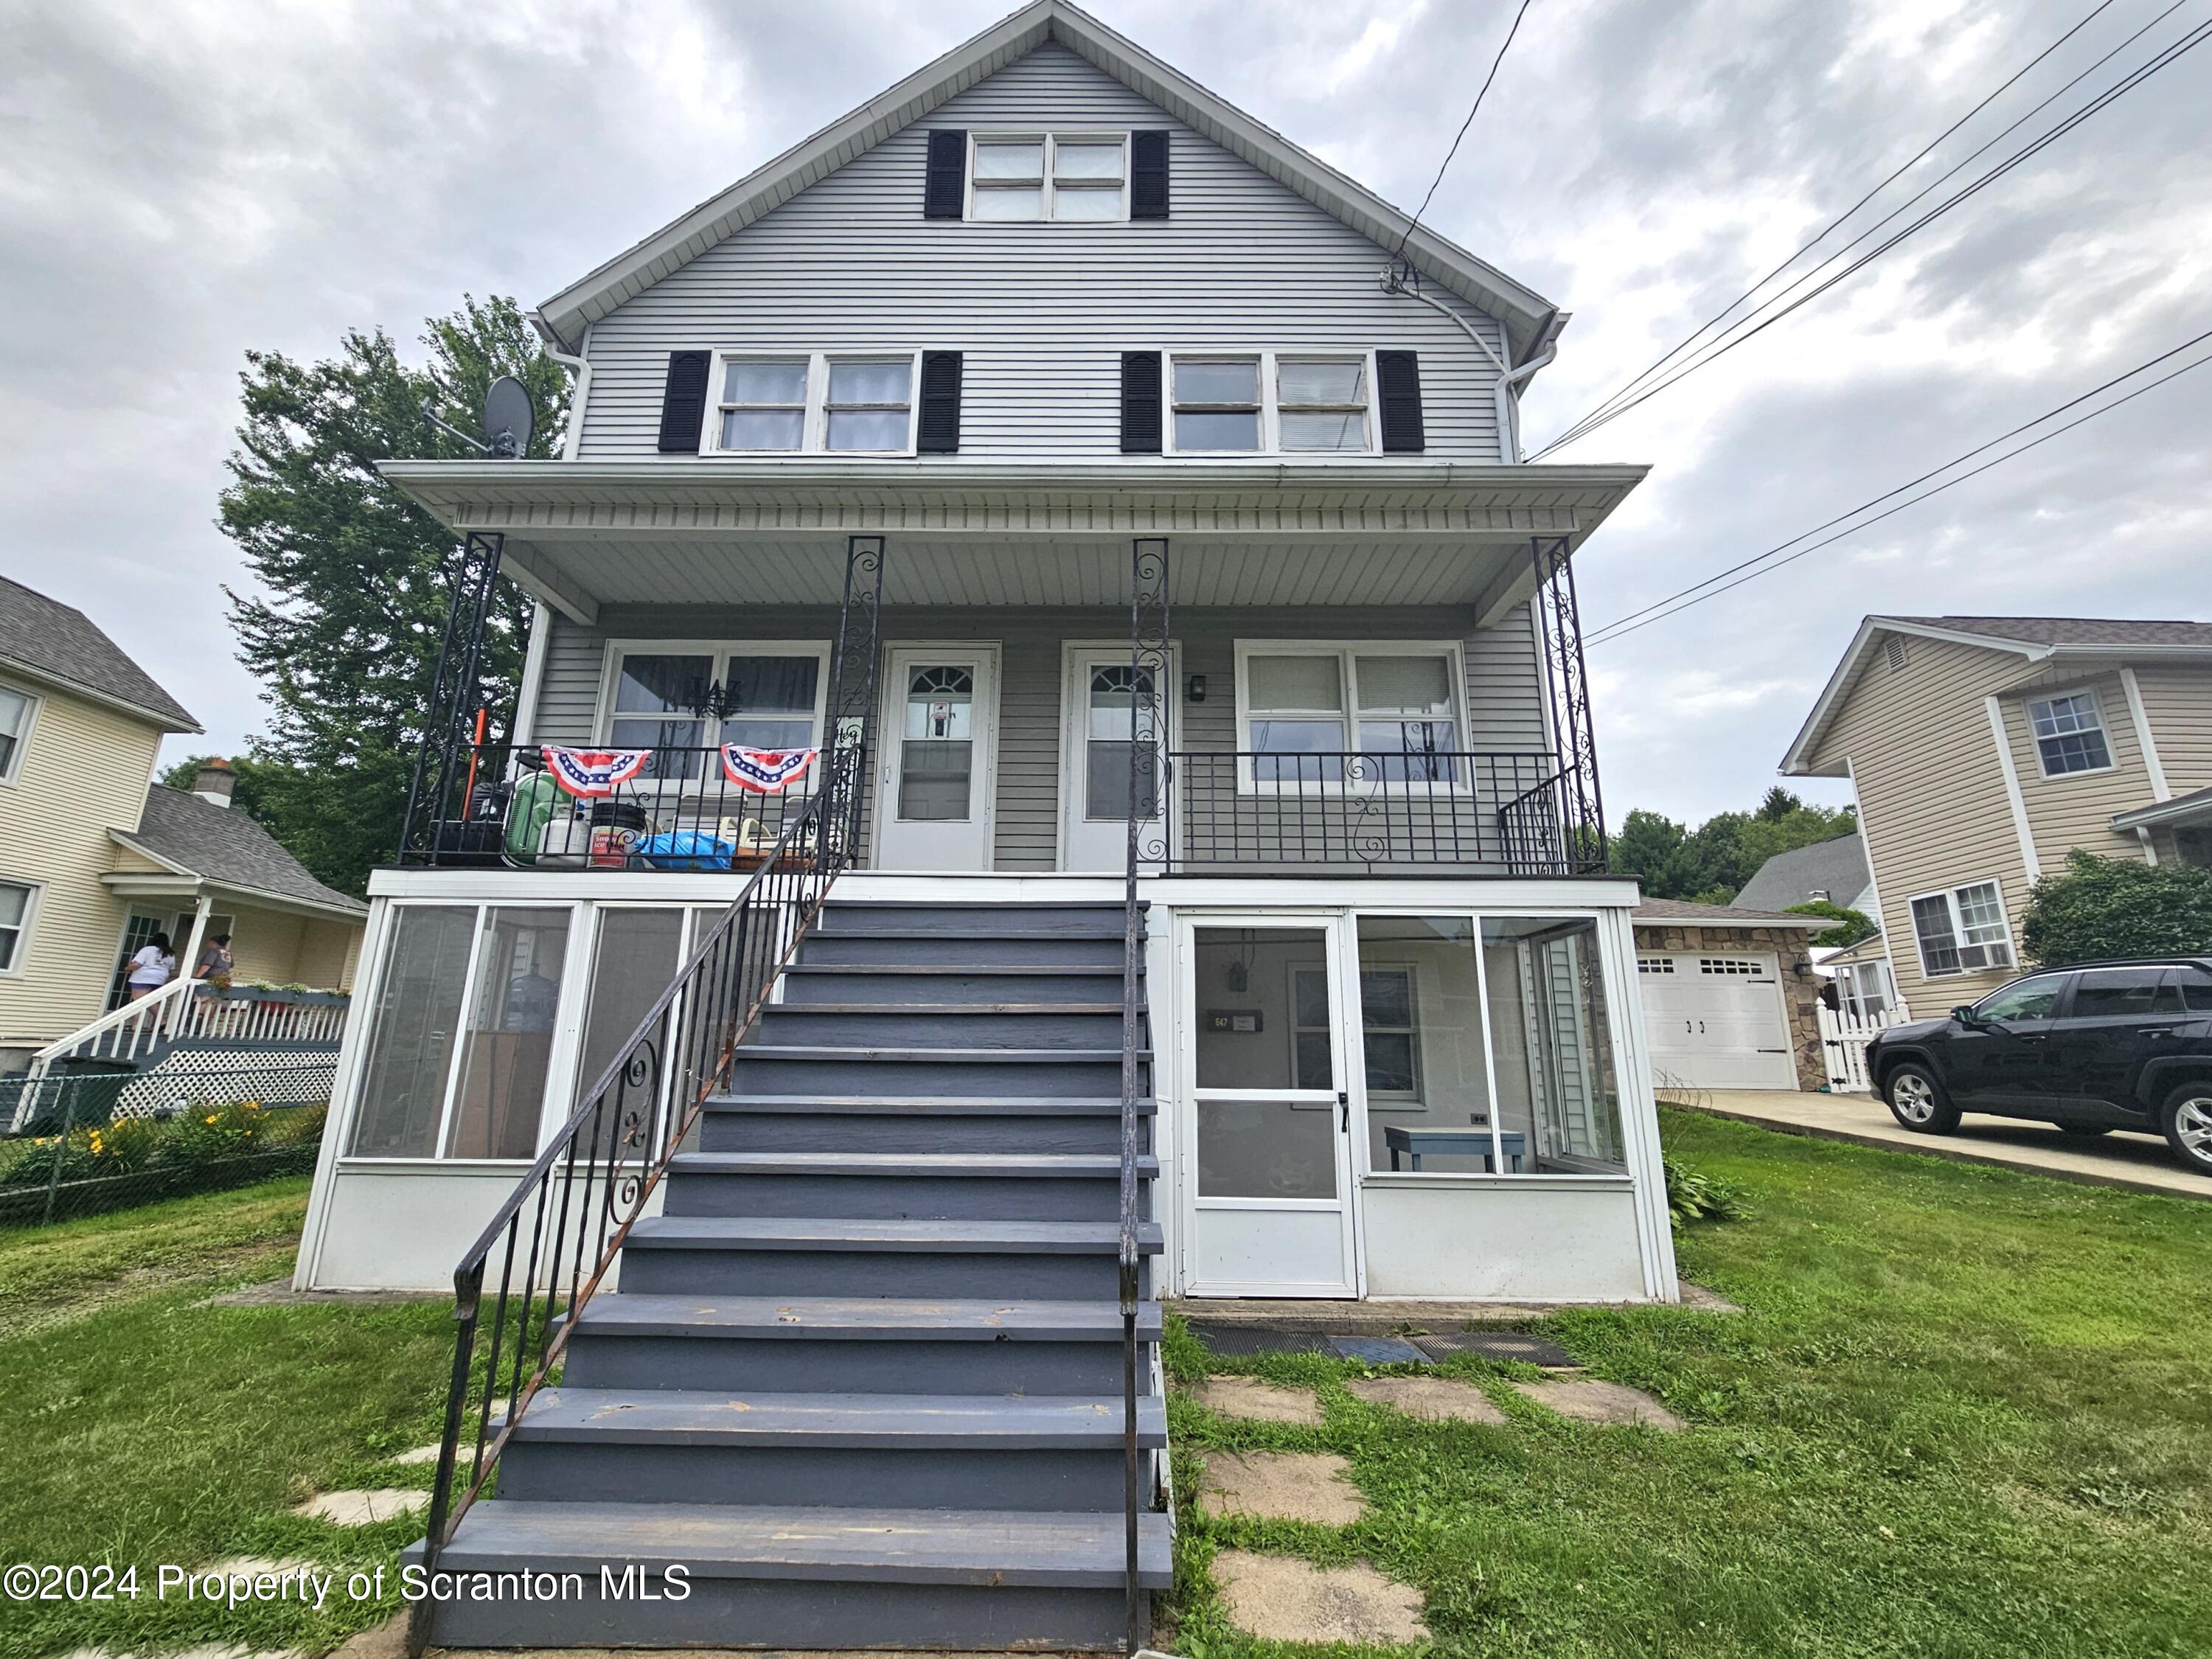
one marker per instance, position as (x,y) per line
(681,811)
(1544,833)
(1372,809)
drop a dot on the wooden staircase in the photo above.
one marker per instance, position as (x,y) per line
(862,1378)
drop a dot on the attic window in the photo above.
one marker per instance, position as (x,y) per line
(1080,177)
(1892,652)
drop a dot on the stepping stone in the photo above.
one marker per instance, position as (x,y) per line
(1593,1401)
(1257,1402)
(1313,1487)
(1432,1399)
(1279,1598)
(420,1455)
(362,1508)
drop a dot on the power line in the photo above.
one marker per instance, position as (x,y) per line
(1675,603)
(1745,329)
(1690,339)
(1415,221)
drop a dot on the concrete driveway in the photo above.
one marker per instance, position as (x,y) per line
(2141,1162)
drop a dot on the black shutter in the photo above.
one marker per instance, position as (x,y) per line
(684,402)
(1398,394)
(1140,403)
(1148,175)
(939,430)
(944,182)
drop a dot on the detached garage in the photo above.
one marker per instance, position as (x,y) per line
(1729,996)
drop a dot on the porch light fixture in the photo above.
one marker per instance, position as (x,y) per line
(1196,691)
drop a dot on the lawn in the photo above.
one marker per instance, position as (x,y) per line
(1966,1413)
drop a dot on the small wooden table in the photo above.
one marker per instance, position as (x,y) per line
(1473,1141)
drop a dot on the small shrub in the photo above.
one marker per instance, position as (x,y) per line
(2104,907)
(1693,1198)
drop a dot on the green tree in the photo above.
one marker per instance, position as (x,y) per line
(1852,925)
(1711,863)
(344,630)
(2100,908)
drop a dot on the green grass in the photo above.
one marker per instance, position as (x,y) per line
(143,1426)
(1967,1412)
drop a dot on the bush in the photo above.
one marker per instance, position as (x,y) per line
(1852,925)
(1692,1198)
(2103,908)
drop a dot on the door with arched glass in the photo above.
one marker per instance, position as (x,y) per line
(933,782)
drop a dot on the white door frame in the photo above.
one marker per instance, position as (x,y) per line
(988,657)
(1074,709)
(1349,1101)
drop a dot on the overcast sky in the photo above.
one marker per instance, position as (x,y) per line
(182,182)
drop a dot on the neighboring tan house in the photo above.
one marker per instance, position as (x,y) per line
(94,859)
(1982,750)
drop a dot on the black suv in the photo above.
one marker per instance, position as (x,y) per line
(2096,1045)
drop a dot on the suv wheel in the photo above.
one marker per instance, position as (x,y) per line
(1918,1101)
(2186,1118)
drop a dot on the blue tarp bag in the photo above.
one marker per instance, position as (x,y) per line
(684,849)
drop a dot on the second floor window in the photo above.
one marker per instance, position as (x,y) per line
(1270,402)
(15,711)
(768,696)
(2069,734)
(1305,708)
(1062,176)
(854,404)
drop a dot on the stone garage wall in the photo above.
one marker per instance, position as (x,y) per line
(1801,988)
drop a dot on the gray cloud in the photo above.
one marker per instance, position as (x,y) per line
(178,186)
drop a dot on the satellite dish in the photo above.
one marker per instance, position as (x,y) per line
(508,417)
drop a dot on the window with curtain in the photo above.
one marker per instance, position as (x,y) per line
(1305,706)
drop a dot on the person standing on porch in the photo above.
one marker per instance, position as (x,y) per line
(154,967)
(215,962)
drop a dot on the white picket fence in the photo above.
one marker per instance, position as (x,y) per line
(1844,1044)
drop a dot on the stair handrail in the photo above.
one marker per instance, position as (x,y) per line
(591,1183)
(154,1014)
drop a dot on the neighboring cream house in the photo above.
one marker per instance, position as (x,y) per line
(94,859)
(1982,750)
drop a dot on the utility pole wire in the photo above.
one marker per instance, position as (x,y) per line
(1745,329)
(1627,625)
(1825,230)
(1411,223)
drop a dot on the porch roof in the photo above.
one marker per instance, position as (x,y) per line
(679,530)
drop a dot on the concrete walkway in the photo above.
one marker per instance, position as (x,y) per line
(2141,1163)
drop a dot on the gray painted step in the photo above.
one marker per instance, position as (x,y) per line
(792,1578)
(935,1186)
(904,984)
(840,1450)
(770,1256)
(1101,954)
(977,1124)
(877,1026)
(923,919)
(794,1069)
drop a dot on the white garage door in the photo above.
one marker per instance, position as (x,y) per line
(1715,1022)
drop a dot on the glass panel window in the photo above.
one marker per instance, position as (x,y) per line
(1938,940)
(1323,402)
(656,704)
(1217,404)
(14,720)
(1551,1046)
(509,1043)
(2125,992)
(1258,991)
(1086,179)
(1407,730)
(937,744)
(637,955)
(868,405)
(770,701)
(15,917)
(763,405)
(1265,1149)
(1962,932)
(1106,743)
(1422,1025)
(1296,709)
(2069,734)
(2030,1000)
(410,1041)
(1009,179)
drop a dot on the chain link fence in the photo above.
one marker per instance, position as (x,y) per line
(85,1143)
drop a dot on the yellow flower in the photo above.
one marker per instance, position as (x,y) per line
(210,1118)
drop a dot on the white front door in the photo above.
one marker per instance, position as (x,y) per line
(1097,717)
(1268,1140)
(1716,1021)
(934,786)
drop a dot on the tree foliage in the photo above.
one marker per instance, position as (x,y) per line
(2101,908)
(1852,925)
(344,630)
(1710,864)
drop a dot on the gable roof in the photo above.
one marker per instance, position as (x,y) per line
(222,845)
(2035,639)
(1837,867)
(1531,321)
(56,643)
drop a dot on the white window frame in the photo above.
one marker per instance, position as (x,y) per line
(1950,897)
(33,703)
(719,653)
(1051,141)
(1391,1099)
(1453,651)
(814,438)
(34,893)
(2102,726)
(1270,363)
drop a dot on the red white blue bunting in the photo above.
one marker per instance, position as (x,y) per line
(591,773)
(765,771)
